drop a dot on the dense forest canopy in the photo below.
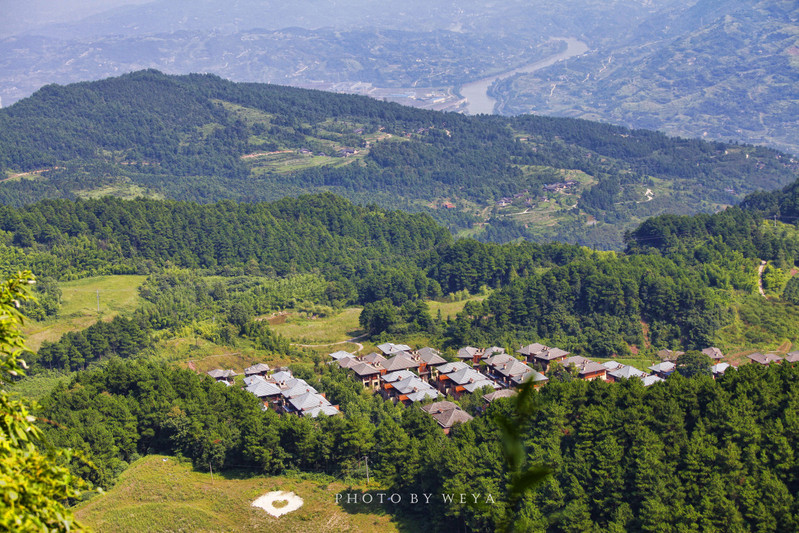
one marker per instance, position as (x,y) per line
(678,284)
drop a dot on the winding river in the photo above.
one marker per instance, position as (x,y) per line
(476,92)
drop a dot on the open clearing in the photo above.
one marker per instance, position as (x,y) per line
(117,294)
(157,493)
(336,328)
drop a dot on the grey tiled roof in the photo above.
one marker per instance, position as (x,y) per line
(765,359)
(424,394)
(713,353)
(720,368)
(280,377)
(503,393)
(308,400)
(390,348)
(327,410)
(249,380)
(468,352)
(591,367)
(256,369)
(298,389)
(452,367)
(500,359)
(263,388)
(627,372)
(650,380)
(447,414)
(532,349)
(363,369)
(218,373)
(430,356)
(373,358)
(666,366)
(400,362)
(410,385)
(398,375)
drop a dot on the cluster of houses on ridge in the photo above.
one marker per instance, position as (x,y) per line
(281,390)
(408,376)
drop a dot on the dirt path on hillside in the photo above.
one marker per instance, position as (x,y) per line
(30,173)
(760,278)
(353,340)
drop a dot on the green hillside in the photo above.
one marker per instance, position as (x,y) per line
(218,275)
(202,138)
(158,493)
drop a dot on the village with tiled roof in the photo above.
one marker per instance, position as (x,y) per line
(401,374)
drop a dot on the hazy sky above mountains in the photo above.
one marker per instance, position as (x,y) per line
(21,15)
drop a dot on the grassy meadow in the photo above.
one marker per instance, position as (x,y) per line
(159,493)
(117,294)
(334,328)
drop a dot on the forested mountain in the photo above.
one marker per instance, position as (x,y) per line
(201,138)
(716,69)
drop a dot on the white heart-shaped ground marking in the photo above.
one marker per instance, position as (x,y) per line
(268,500)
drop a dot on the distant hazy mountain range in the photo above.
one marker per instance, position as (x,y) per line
(722,70)
(716,69)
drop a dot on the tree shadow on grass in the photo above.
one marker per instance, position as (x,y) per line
(355,502)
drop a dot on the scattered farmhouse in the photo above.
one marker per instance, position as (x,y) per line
(714,353)
(669,355)
(586,369)
(226,376)
(719,369)
(765,359)
(287,394)
(259,369)
(541,355)
(447,414)
(560,186)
